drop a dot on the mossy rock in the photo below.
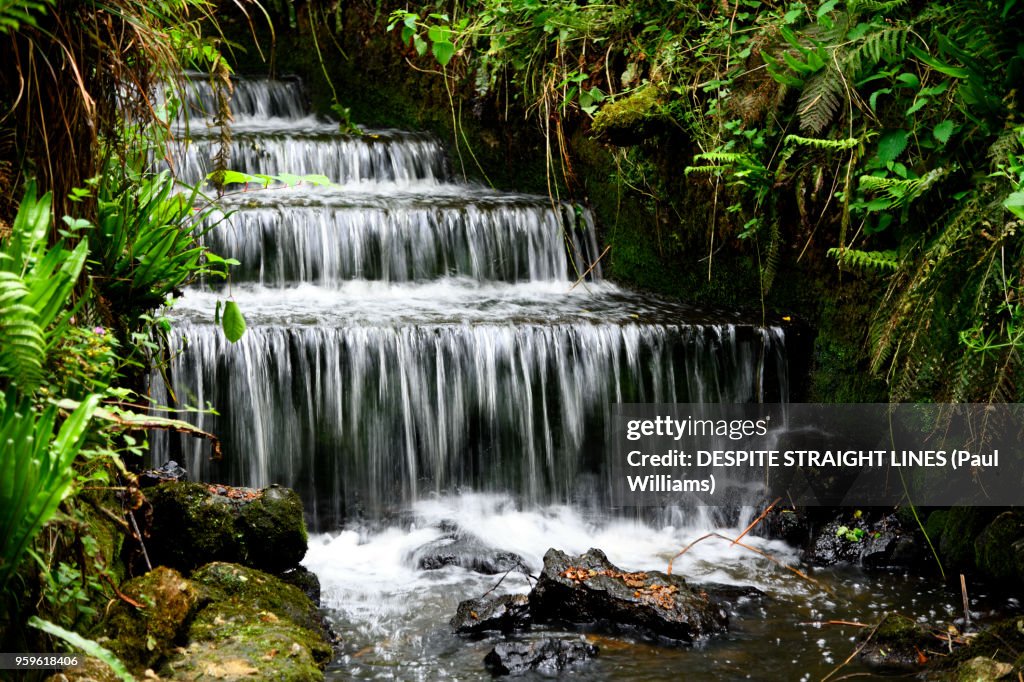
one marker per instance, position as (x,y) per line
(895,644)
(195,523)
(235,584)
(89,670)
(632,119)
(935,524)
(233,640)
(982,669)
(999,550)
(142,636)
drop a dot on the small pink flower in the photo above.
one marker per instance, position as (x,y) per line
(99,331)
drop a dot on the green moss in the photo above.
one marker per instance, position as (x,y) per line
(142,636)
(936,524)
(193,526)
(629,119)
(236,584)
(999,550)
(232,639)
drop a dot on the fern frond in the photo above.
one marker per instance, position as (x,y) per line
(876,7)
(878,47)
(819,143)
(820,100)
(872,261)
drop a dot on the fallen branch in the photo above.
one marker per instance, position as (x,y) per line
(856,651)
(758,520)
(735,541)
(592,266)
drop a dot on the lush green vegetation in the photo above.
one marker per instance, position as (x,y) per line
(92,240)
(882,136)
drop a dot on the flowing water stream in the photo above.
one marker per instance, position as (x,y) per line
(422,353)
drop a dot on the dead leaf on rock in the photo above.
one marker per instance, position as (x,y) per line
(231,667)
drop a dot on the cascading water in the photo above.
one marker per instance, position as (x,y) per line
(420,356)
(413,335)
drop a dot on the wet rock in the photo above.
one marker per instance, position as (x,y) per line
(982,669)
(141,636)
(195,523)
(884,543)
(304,579)
(238,641)
(734,598)
(168,472)
(546,655)
(467,551)
(791,525)
(590,591)
(235,584)
(507,613)
(896,644)
(255,627)
(999,550)
(839,541)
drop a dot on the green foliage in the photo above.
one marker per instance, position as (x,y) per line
(87,646)
(35,471)
(871,261)
(233,322)
(146,244)
(850,534)
(36,282)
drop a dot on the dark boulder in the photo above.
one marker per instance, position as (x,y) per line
(196,523)
(466,551)
(507,613)
(590,591)
(304,579)
(882,544)
(999,549)
(545,655)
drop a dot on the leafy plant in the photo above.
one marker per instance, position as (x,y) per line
(35,470)
(850,534)
(36,282)
(147,239)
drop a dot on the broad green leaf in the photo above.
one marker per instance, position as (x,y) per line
(233,322)
(443,52)
(1015,204)
(943,131)
(892,144)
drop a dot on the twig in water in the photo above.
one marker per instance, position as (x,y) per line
(736,541)
(856,651)
(967,609)
(851,623)
(592,266)
(758,520)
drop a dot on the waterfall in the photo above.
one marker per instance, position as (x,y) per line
(410,334)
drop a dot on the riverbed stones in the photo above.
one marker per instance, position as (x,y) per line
(467,551)
(195,523)
(507,613)
(589,591)
(548,655)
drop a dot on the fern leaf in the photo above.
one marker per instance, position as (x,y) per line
(871,261)
(820,100)
(819,143)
